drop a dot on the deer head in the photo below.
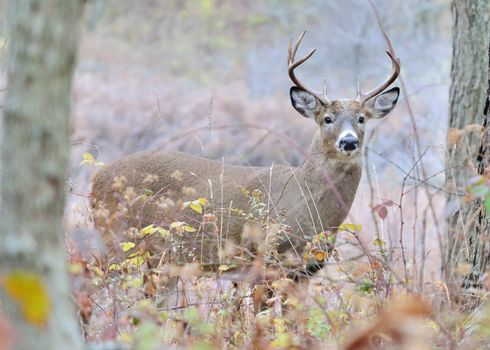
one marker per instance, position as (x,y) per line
(341,123)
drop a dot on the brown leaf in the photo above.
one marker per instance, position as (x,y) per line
(209,218)
(473,128)
(464,269)
(454,136)
(392,322)
(381,210)
(84,306)
(388,203)
(150,281)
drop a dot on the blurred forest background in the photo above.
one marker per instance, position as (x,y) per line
(209,77)
(150,72)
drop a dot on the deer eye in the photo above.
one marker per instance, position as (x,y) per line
(328,120)
(361,120)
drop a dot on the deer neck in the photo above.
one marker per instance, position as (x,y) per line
(329,176)
(322,158)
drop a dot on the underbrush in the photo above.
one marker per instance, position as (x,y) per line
(153,289)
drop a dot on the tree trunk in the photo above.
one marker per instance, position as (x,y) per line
(35,294)
(467,234)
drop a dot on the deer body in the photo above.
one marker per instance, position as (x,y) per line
(303,195)
(306,200)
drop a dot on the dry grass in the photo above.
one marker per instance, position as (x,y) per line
(369,295)
(381,288)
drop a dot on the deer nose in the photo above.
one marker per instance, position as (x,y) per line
(349,143)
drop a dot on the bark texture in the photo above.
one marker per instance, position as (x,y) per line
(42,49)
(468,234)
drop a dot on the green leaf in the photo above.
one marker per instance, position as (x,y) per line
(479,190)
(366,286)
(487,205)
(146,336)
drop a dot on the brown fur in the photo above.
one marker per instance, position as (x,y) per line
(309,199)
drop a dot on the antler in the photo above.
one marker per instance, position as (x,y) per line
(395,68)
(323,98)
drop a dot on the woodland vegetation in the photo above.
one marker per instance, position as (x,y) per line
(84,83)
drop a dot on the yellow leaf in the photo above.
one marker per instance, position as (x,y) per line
(177,224)
(127,246)
(203,201)
(223,268)
(28,290)
(148,230)
(182,226)
(189,228)
(196,207)
(97,271)
(351,227)
(75,268)
(88,158)
(114,267)
(163,232)
(136,261)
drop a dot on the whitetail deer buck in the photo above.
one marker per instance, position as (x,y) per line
(292,205)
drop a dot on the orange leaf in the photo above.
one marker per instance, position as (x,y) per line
(454,136)
(320,256)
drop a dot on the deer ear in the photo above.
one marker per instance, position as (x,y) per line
(304,102)
(384,103)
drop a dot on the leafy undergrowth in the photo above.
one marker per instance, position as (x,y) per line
(153,289)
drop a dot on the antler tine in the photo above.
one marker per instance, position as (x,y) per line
(324,91)
(297,43)
(395,64)
(292,65)
(395,71)
(358,91)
